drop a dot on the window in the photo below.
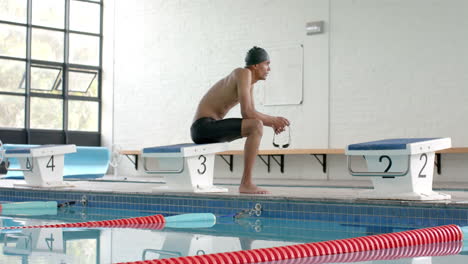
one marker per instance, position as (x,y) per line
(50,71)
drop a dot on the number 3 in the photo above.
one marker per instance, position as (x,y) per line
(203,164)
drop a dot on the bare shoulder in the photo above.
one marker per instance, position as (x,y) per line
(241,73)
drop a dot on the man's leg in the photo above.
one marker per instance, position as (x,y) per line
(253,130)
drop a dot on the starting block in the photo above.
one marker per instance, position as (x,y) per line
(42,166)
(194,165)
(38,242)
(180,244)
(402,169)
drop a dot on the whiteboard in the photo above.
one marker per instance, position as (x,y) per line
(284,84)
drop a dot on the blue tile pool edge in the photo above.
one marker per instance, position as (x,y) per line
(342,211)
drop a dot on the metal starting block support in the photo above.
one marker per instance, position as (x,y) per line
(189,166)
(42,166)
(2,152)
(2,155)
(402,169)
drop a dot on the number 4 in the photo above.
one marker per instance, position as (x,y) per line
(50,242)
(51,164)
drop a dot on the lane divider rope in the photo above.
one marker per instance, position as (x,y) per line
(423,236)
(150,222)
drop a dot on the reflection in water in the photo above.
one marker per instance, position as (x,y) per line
(114,245)
(50,245)
(438,249)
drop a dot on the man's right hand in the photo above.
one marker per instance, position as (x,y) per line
(279,124)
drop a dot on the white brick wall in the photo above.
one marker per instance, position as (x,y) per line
(382,69)
(399,70)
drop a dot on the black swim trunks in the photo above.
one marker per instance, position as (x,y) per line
(209,130)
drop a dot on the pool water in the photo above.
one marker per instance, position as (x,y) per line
(114,245)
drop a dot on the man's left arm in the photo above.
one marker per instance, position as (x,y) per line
(278,123)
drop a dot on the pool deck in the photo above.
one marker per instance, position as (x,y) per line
(298,190)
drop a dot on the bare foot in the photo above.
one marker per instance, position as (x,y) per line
(252,189)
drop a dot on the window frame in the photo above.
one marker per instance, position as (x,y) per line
(28,135)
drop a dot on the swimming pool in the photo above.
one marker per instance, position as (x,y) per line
(263,223)
(113,245)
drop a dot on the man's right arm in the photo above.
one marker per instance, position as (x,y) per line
(244,90)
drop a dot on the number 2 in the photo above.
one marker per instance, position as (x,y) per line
(420,175)
(424,166)
(389,162)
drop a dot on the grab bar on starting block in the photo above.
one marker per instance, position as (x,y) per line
(182,168)
(172,254)
(28,168)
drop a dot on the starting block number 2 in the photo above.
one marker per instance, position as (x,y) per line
(420,175)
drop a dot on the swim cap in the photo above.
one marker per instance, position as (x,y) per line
(256,55)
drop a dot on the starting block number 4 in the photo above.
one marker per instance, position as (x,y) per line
(29,167)
(43,165)
(50,164)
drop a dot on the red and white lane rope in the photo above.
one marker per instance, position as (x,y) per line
(149,222)
(194,220)
(360,244)
(437,249)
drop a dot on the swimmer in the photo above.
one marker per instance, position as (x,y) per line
(210,126)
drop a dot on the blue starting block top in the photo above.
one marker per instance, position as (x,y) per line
(387,144)
(168,149)
(86,162)
(26,150)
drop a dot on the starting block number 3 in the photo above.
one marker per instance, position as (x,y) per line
(420,175)
(203,165)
